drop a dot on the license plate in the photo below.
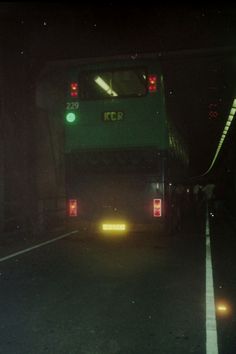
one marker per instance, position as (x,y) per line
(114,227)
(113,116)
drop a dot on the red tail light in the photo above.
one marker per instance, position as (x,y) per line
(73,207)
(152,83)
(157,206)
(74,89)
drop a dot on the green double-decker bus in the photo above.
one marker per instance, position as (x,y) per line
(122,152)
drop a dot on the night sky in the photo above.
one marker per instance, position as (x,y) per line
(197,76)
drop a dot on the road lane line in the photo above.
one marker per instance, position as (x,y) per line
(36,246)
(211,328)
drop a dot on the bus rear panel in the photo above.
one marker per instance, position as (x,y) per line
(109,193)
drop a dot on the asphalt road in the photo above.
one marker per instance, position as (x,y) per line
(112,295)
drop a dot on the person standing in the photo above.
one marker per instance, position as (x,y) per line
(208,191)
(197,199)
(180,195)
(196,192)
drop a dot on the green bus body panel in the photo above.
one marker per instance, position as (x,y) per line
(143,122)
(142,125)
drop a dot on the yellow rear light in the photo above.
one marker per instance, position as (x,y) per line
(114,227)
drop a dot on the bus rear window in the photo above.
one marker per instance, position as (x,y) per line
(113,84)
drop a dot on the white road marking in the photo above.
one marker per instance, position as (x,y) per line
(36,246)
(211,328)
